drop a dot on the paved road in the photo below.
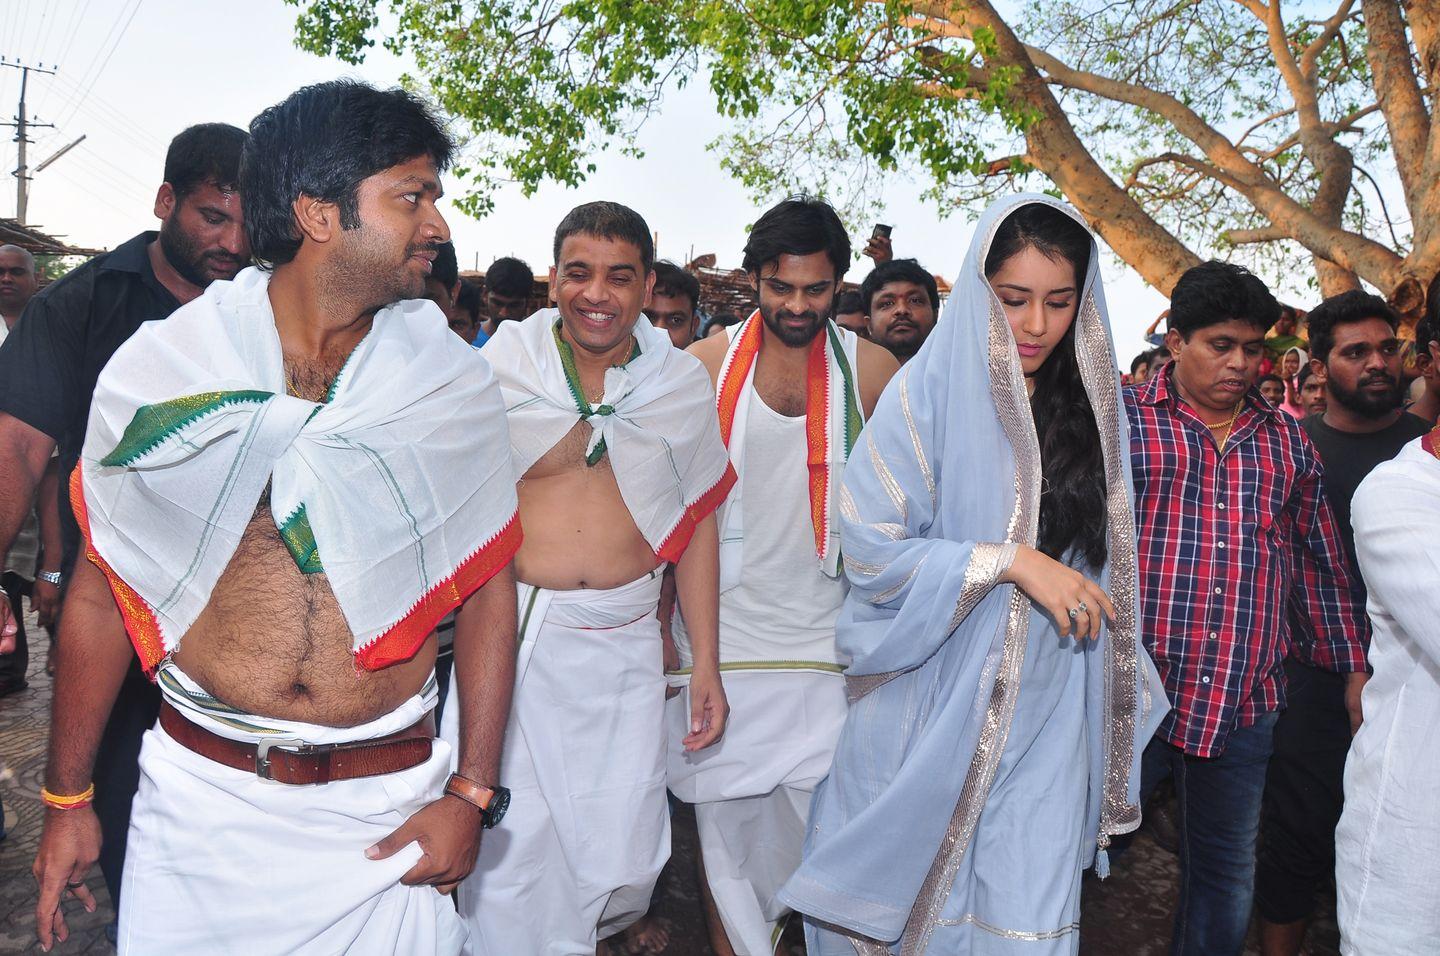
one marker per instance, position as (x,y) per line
(1126,915)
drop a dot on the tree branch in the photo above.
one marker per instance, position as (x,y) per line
(1397,90)
(1330,30)
(1241,237)
(1229,165)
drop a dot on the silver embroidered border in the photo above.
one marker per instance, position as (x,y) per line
(1095,356)
(889,593)
(915,436)
(970,919)
(860,567)
(888,482)
(1007,388)
(988,560)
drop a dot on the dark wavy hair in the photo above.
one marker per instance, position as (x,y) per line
(1214,292)
(1347,308)
(205,153)
(322,141)
(798,226)
(1073,494)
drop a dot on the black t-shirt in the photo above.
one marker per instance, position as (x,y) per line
(52,358)
(1348,457)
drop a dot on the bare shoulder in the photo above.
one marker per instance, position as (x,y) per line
(875,366)
(711,353)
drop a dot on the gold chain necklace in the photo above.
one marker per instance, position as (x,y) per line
(1229,426)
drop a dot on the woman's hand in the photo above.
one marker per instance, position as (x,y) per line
(1059,589)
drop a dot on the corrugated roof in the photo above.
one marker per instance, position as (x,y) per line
(32,240)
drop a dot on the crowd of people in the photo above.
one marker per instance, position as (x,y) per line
(389,617)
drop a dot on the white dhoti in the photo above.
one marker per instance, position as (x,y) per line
(587,833)
(220,861)
(752,790)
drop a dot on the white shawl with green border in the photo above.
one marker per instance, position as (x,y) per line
(398,487)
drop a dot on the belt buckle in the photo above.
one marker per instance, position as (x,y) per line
(262,752)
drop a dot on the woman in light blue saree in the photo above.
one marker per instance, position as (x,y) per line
(1000,697)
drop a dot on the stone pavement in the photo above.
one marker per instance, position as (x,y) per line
(24,731)
(1126,915)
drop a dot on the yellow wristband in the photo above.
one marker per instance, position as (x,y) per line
(71,802)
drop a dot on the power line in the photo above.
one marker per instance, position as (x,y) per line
(95,57)
(104,169)
(105,62)
(47,28)
(73,31)
(100,111)
(103,200)
(24,24)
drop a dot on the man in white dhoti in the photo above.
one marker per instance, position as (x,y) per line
(1387,846)
(621,467)
(283,487)
(792,388)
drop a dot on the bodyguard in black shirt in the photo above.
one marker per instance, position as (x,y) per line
(48,368)
(1353,342)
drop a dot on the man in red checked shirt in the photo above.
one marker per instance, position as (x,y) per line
(1234,533)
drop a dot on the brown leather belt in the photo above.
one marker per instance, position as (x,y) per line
(286,760)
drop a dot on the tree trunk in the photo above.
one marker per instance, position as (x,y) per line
(1056,150)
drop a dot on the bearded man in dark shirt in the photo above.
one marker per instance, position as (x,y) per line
(1353,344)
(48,368)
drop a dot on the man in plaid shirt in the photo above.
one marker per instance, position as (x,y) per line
(1234,533)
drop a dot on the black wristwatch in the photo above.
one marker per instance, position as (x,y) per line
(492,802)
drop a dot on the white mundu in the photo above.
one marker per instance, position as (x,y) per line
(1387,845)
(222,862)
(787,696)
(588,831)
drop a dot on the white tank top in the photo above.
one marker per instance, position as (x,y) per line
(784,607)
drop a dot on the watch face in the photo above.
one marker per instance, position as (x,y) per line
(499,803)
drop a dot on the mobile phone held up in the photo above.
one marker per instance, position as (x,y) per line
(881,231)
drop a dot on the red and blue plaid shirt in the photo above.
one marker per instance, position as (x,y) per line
(1230,545)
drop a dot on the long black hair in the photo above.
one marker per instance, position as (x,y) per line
(1073,490)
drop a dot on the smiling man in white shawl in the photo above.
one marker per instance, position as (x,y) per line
(621,467)
(996,720)
(793,388)
(283,487)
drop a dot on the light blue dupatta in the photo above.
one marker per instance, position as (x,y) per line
(942,486)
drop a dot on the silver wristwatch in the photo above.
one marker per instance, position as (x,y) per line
(51,577)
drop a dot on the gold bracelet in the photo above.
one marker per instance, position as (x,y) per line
(72,802)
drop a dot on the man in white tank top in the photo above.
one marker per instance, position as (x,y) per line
(792,391)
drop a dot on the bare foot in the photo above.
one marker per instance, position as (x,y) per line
(647,936)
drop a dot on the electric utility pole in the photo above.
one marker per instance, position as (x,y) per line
(22,126)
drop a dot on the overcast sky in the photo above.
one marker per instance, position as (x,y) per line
(132,73)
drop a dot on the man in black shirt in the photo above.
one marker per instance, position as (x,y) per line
(1353,344)
(48,368)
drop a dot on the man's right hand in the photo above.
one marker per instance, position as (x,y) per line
(69,847)
(8,626)
(879,249)
(45,602)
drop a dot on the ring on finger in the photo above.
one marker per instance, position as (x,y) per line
(1075,614)
(71,886)
(1084,607)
